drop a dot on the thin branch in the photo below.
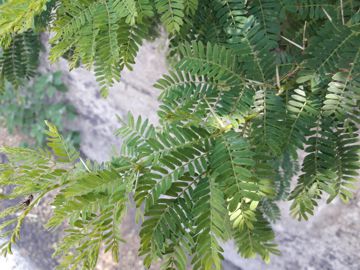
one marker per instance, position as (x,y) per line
(84,164)
(277,77)
(304,35)
(293,43)
(342,11)
(329,17)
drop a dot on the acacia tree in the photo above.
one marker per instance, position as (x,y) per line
(252,83)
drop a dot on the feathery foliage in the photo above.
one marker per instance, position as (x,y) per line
(19,60)
(251,84)
(26,109)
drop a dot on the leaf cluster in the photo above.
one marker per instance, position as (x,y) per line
(252,83)
(26,109)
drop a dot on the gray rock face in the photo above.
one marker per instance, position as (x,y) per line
(329,241)
(97,121)
(16,262)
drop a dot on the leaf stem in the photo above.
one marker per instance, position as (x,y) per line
(84,164)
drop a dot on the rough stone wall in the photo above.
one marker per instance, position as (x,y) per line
(97,119)
(329,241)
(16,261)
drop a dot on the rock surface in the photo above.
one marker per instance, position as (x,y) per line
(328,241)
(97,120)
(16,262)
